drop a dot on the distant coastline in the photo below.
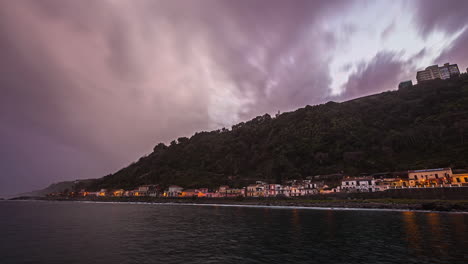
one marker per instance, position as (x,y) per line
(367,204)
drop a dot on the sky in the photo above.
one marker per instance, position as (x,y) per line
(87,87)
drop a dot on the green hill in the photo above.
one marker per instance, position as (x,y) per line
(424,126)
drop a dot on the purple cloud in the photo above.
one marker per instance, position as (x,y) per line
(90,87)
(447,16)
(382,73)
(388,30)
(457,52)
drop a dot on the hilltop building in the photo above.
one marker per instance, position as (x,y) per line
(405,84)
(435,72)
(447,71)
(430,73)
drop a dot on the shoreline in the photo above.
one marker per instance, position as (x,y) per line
(455,206)
(277,207)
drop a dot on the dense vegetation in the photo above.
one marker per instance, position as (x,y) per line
(423,126)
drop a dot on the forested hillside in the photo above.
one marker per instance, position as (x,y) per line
(424,126)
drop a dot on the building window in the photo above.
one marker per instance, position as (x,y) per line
(466,179)
(458,179)
(436,176)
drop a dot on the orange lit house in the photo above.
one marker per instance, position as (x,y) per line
(102,193)
(430,176)
(194,192)
(118,193)
(460,179)
(173,191)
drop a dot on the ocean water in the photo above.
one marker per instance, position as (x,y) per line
(72,232)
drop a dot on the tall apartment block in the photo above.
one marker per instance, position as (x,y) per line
(435,72)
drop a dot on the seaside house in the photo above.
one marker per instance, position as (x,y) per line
(102,192)
(118,193)
(128,193)
(359,184)
(272,190)
(203,190)
(313,187)
(222,190)
(285,190)
(256,190)
(142,190)
(154,191)
(174,191)
(430,176)
(233,192)
(328,190)
(212,195)
(460,179)
(296,191)
(391,183)
(189,193)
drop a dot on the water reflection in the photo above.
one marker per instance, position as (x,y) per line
(330,222)
(413,236)
(459,225)
(295,219)
(437,240)
(176,234)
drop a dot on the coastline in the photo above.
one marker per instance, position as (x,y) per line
(460,206)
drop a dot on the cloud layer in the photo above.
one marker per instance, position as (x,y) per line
(89,86)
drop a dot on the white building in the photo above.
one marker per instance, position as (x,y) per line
(359,184)
(174,191)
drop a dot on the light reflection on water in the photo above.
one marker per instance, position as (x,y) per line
(137,233)
(412,233)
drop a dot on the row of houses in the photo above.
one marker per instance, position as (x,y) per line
(336,183)
(142,191)
(430,178)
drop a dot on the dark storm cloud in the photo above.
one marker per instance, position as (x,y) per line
(457,52)
(448,17)
(268,49)
(382,73)
(88,86)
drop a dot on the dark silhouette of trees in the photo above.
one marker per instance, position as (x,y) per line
(421,127)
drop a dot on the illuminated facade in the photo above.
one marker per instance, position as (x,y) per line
(430,176)
(460,179)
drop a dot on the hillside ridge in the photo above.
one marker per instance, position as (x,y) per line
(423,126)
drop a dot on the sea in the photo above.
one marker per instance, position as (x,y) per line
(78,232)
